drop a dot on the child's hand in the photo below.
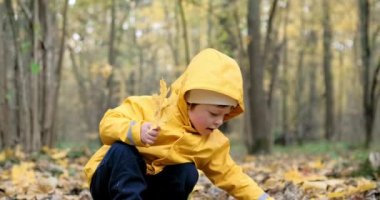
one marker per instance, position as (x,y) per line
(149,133)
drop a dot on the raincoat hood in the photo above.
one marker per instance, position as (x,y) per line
(215,71)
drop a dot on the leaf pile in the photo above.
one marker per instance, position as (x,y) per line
(300,177)
(50,174)
(57,174)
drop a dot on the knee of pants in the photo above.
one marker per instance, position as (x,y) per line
(189,175)
(123,147)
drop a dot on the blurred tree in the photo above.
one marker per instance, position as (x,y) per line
(109,100)
(370,77)
(260,122)
(6,133)
(327,58)
(22,113)
(184,30)
(284,81)
(38,56)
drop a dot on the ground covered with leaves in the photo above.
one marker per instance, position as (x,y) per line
(57,174)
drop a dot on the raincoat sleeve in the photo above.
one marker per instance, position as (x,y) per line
(227,175)
(122,123)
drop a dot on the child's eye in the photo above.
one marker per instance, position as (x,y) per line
(213,114)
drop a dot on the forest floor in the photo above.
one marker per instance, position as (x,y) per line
(57,174)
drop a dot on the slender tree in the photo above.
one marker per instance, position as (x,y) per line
(261,140)
(22,112)
(285,80)
(111,60)
(369,77)
(184,31)
(34,77)
(5,110)
(328,78)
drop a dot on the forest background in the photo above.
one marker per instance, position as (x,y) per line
(311,67)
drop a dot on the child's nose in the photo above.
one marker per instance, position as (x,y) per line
(219,122)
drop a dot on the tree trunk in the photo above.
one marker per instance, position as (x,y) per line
(173,39)
(368,103)
(260,127)
(299,98)
(329,87)
(268,39)
(184,31)
(285,132)
(299,88)
(23,113)
(52,66)
(109,100)
(340,90)
(34,77)
(274,73)
(312,109)
(58,71)
(82,90)
(210,13)
(5,132)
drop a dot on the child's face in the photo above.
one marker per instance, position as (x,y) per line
(205,118)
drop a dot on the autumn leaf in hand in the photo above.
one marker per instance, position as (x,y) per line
(161,103)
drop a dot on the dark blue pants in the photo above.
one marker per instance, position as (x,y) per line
(122,175)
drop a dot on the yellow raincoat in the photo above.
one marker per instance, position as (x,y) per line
(178,142)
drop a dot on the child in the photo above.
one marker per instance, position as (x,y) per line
(144,160)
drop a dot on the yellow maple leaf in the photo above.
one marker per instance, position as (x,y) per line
(294,176)
(161,103)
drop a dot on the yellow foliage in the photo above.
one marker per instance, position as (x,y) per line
(63,163)
(317,164)
(59,155)
(55,154)
(293,176)
(106,71)
(296,177)
(22,175)
(363,185)
(2,156)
